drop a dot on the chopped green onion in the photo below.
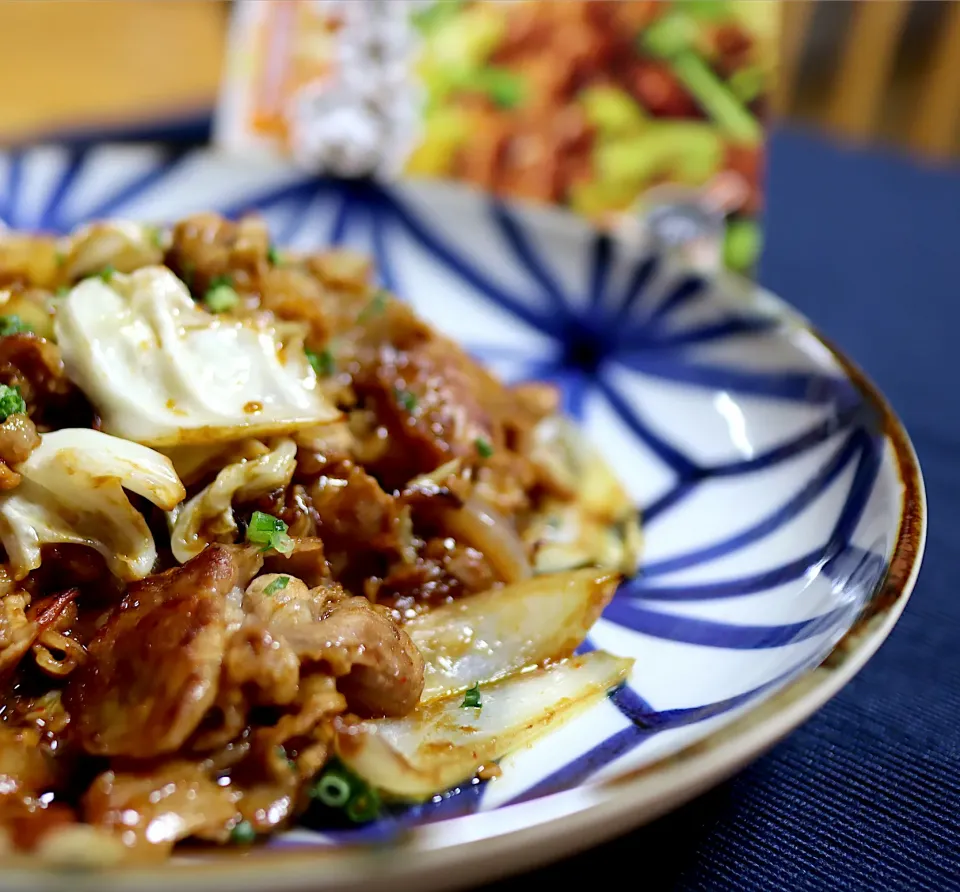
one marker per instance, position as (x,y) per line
(471,697)
(220,298)
(59,258)
(156,236)
(243,834)
(13,325)
(269,532)
(405,398)
(278,584)
(332,789)
(483,447)
(273,256)
(323,363)
(338,787)
(364,807)
(377,305)
(62,291)
(11,402)
(108,272)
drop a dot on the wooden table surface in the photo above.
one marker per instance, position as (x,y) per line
(68,64)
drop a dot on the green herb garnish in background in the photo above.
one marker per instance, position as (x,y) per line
(471,698)
(484,449)
(11,402)
(221,295)
(747,83)
(62,291)
(156,237)
(273,256)
(339,788)
(278,585)
(108,272)
(741,245)
(269,532)
(429,18)
(378,303)
(406,399)
(673,38)
(322,363)
(10,325)
(243,834)
(59,258)
(504,88)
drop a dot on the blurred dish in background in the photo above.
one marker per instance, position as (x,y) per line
(588,105)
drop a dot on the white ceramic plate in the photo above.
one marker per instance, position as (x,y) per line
(783,505)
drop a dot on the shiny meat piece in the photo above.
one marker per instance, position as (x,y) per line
(304,732)
(17,631)
(18,438)
(27,772)
(34,365)
(282,600)
(262,665)
(306,560)
(32,825)
(435,404)
(354,511)
(25,768)
(21,626)
(259,669)
(152,810)
(378,668)
(295,295)
(153,670)
(443,571)
(206,246)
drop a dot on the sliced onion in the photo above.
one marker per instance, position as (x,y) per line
(443,743)
(476,523)
(491,635)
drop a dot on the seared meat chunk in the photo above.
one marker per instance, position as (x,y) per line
(153,808)
(154,668)
(378,668)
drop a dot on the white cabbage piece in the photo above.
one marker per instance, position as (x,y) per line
(121,244)
(598,525)
(164,372)
(208,516)
(495,633)
(73,491)
(195,462)
(443,743)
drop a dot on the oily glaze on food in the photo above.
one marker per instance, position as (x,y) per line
(272,545)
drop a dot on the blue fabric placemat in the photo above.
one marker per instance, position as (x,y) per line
(866,795)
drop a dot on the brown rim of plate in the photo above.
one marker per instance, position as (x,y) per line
(804,694)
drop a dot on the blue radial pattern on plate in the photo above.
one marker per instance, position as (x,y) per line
(770,506)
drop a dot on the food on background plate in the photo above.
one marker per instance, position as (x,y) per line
(274,549)
(594,105)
